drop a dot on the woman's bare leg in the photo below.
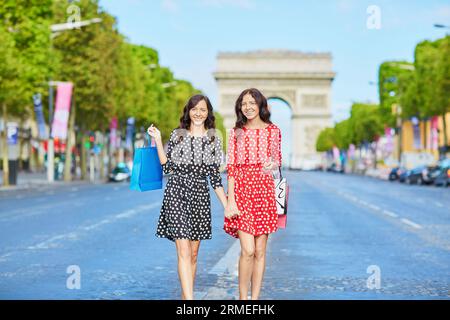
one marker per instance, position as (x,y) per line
(195,246)
(245,262)
(185,268)
(259,264)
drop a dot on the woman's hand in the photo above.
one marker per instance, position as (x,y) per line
(154,133)
(231,210)
(269,165)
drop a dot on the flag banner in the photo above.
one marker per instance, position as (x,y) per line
(62,110)
(351,151)
(434,133)
(130,133)
(37,101)
(12,132)
(389,147)
(336,155)
(113,133)
(416,133)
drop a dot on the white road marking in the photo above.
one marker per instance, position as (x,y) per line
(390,214)
(374,207)
(412,224)
(363,202)
(3,257)
(23,215)
(228,264)
(55,241)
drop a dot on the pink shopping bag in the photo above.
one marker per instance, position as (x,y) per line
(282,219)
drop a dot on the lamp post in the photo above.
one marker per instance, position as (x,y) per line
(441,26)
(57,29)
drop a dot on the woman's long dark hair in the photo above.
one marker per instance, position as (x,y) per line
(264,112)
(185,120)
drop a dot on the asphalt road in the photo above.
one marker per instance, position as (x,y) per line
(340,229)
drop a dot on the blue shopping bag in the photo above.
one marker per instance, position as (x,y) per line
(147,171)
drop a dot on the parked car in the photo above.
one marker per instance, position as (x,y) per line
(395,173)
(120,173)
(402,173)
(335,168)
(442,174)
(420,175)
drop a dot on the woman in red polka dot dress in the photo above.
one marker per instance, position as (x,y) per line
(254,150)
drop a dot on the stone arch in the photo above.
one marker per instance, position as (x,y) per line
(302,80)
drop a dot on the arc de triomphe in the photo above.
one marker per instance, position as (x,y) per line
(302,80)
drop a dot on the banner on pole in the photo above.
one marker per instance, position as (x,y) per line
(416,133)
(62,110)
(130,133)
(113,133)
(434,133)
(37,101)
(12,133)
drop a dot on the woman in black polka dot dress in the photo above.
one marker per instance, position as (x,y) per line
(194,154)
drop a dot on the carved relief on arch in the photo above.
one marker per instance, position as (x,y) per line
(314,100)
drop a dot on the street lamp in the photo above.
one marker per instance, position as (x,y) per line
(60,27)
(441,26)
(57,29)
(169,84)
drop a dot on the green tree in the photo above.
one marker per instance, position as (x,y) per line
(24,50)
(10,88)
(87,58)
(326,140)
(365,123)
(432,65)
(389,75)
(342,134)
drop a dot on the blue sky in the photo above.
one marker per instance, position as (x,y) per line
(188,34)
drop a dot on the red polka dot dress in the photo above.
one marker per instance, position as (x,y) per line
(254,187)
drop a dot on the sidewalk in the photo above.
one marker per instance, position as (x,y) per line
(29,180)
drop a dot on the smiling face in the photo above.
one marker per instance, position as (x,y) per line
(249,107)
(199,113)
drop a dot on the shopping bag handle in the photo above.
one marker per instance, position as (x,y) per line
(149,141)
(279,171)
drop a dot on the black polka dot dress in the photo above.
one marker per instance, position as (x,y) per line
(186,207)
